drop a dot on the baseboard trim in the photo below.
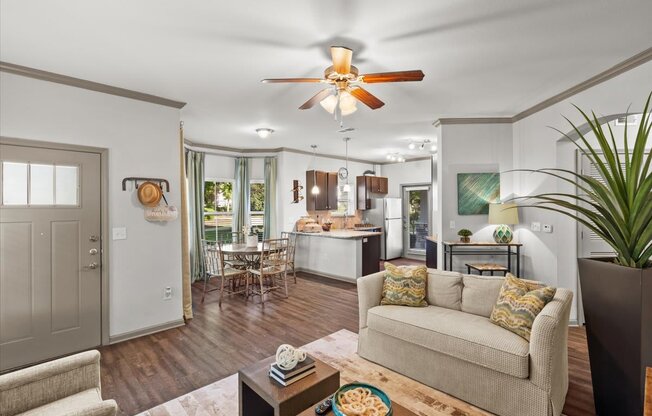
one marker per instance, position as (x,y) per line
(329,276)
(146,331)
(573,322)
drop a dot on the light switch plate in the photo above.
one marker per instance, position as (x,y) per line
(120,233)
(547,228)
(452,225)
(535,226)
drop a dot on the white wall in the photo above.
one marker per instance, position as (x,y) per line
(408,173)
(553,257)
(472,148)
(143,140)
(294,166)
(223,167)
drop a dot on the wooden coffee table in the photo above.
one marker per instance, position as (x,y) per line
(397,410)
(262,396)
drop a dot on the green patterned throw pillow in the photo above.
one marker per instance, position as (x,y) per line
(405,285)
(519,302)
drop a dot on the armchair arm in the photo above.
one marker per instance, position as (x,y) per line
(35,386)
(549,347)
(370,290)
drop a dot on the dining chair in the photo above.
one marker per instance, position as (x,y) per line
(215,266)
(232,260)
(292,246)
(273,267)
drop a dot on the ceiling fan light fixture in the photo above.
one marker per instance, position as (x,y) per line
(348,103)
(264,132)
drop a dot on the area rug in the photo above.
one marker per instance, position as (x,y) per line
(338,350)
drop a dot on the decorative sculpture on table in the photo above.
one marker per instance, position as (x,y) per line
(287,357)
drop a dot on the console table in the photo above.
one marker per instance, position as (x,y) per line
(457,248)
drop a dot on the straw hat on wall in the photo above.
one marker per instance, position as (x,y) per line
(149,194)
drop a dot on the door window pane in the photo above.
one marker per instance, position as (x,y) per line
(14,183)
(41,181)
(418,218)
(66,186)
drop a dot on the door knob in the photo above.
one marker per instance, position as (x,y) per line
(93,265)
(94,238)
(92,251)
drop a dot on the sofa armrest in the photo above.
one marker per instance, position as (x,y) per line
(549,346)
(105,408)
(370,291)
(35,386)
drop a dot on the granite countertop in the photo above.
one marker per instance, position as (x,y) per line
(346,234)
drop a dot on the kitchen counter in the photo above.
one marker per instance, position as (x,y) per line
(346,234)
(338,254)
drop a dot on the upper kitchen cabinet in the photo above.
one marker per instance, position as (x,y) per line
(326,199)
(368,187)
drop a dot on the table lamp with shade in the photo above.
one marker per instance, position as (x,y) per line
(503,215)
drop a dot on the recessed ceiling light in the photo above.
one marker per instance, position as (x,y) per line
(433,148)
(264,133)
(411,146)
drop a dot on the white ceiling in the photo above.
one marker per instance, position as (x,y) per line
(481,58)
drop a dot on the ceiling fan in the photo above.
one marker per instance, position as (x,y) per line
(345,84)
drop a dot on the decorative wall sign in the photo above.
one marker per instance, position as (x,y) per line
(475,191)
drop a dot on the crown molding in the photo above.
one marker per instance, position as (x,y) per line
(472,120)
(603,76)
(261,151)
(619,68)
(88,85)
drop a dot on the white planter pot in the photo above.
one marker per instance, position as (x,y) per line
(252,241)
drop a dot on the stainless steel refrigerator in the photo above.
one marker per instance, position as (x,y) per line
(387,213)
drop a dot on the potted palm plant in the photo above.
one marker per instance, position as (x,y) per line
(616,292)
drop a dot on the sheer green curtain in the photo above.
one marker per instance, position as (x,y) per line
(270,198)
(241,194)
(195,178)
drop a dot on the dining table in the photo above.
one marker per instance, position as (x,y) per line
(248,255)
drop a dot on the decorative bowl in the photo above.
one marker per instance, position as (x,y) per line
(375,390)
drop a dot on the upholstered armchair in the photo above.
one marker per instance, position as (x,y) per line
(68,386)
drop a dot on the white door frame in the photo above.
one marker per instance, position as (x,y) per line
(104,213)
(406,247)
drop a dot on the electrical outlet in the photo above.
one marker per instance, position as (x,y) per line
(452,225)
(120,233)
(547,228)
(535,226)
(167,293)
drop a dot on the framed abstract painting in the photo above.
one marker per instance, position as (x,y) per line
(475,191)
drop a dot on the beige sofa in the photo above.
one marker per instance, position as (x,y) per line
(69,386)
(452,346)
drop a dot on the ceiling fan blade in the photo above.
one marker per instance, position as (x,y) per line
(316,98)
(275,80)
(399,76)
(341,59)
(366,97)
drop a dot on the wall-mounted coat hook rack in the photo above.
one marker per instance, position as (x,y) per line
(135,180)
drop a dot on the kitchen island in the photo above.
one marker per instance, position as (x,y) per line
(338,254)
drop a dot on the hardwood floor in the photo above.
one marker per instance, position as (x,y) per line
(150,370)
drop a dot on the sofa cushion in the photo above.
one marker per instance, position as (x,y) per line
(445,289)
(404,285)
(479,294)
(519,303)
(468,337)
(69,404)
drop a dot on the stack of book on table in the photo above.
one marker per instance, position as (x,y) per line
(287,377)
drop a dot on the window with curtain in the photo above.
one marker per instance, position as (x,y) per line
(218,208)
(257,206)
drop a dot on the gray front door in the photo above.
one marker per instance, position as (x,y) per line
(50,252)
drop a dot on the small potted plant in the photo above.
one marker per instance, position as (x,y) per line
(465,235)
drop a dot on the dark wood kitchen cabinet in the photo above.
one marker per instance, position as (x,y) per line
(326,199)
(369,186)
(370,254)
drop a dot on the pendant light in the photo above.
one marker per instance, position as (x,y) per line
(347,187)
(315,188)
